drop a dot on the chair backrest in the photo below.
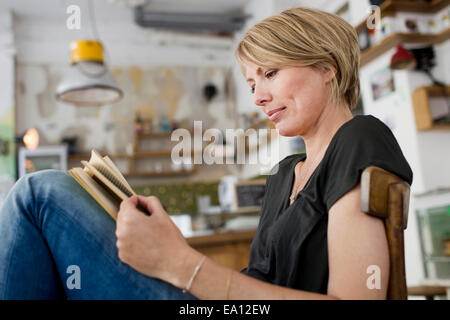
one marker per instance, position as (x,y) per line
(386,196)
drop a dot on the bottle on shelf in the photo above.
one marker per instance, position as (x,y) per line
(165,125)
(155,125)
(138,124)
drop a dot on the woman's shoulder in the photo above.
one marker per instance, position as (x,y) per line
(286,164)
(363,127)
(365,139)
(361,142)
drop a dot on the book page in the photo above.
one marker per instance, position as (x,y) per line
(119,175)
(108,180)
(108,201)
(110,171)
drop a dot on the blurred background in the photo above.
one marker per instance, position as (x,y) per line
(119,76)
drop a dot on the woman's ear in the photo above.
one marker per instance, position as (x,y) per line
(329,74)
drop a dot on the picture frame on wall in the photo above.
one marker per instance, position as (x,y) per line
(248,195)
(382,83)
(42,158)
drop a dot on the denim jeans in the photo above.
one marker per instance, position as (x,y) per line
(56,242)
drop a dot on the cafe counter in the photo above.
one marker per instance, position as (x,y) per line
(228,248)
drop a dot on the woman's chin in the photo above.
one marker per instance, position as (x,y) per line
(285,130)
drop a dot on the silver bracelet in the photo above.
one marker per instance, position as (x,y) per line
(197,268)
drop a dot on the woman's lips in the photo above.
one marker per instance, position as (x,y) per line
(275,114)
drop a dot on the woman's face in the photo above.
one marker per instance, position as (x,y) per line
(292,97)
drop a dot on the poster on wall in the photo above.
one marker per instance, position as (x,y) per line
(7,146)
(382,83)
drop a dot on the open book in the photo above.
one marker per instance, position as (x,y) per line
(104,182)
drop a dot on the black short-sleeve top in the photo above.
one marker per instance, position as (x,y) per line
(290,246)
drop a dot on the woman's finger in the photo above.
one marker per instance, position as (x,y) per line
(131,207)
(152,204)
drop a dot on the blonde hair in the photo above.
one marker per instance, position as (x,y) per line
(307,37)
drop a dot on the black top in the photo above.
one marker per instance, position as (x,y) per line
(290,247)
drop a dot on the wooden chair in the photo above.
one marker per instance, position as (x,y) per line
(386,196)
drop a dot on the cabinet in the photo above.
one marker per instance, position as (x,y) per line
(423,109)
(433,214)
(230,249)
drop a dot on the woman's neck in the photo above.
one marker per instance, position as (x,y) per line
(320,135)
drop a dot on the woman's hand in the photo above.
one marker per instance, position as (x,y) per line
(153,245)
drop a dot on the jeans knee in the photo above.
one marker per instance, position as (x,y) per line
(43,182)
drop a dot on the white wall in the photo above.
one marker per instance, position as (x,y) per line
(125,44)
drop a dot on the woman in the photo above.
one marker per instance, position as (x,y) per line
(313,242)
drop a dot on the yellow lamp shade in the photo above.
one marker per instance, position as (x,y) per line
(86,50)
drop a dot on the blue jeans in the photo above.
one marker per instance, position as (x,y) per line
(57,242)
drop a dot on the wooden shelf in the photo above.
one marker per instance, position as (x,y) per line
(138,154)
(422,113)
(397,38)
(87,156)
(390,7)
(153,134)
(165,173)
(414,6)
(155,154)
(221,237)
(156,134)
(152,154)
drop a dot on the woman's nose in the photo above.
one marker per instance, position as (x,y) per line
(261,96)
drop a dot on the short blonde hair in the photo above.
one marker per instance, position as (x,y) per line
(307,37)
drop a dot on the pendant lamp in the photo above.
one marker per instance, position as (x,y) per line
(88,82)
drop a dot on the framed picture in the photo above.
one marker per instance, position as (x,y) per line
(382,83)
(249,195)
(52,157)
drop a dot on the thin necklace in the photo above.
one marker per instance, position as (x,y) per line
(295,189)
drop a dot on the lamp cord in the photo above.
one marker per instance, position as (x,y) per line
(92,19)
(93,24)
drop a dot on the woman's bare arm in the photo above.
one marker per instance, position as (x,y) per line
(357,249)
(154,246)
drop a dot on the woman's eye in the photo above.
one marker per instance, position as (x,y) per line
(271,73)
(252,90)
